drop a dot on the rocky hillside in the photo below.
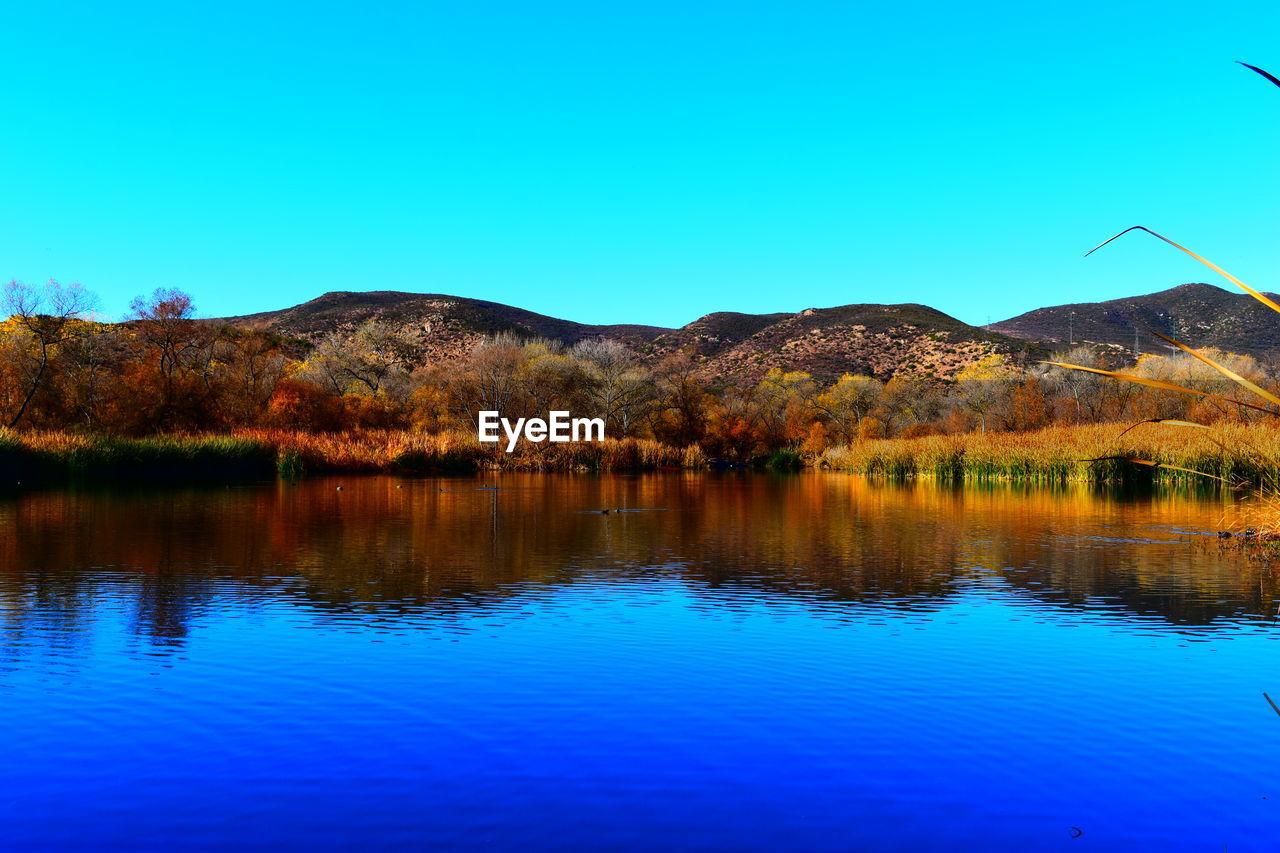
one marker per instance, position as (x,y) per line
(1199,315)
(447,325)
(882,340)
(878,340)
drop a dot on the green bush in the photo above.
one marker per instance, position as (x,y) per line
(784,460)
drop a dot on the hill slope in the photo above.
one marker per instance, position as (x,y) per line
(449,325)
(1199,315)
(877,340)
(883,340)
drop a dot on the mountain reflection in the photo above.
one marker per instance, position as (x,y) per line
(396,551)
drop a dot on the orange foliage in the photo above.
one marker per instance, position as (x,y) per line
(817,439)
(870,428)
(301,405)
(919,430)
(1029,408)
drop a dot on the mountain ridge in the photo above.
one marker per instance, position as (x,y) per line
(884,340)
(1197,314)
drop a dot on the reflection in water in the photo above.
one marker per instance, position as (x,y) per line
(389,546)
(809,662)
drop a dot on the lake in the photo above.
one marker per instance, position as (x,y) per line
(735,662)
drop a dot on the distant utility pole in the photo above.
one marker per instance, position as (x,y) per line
(1135,342)
(1071,329)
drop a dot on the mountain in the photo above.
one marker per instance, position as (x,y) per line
(449,325)
(1199,315)
(881,340)
(877,340)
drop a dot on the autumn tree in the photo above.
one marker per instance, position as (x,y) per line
(922,404)
(42,322)
(816,440)
(781,402)
(92,391)
(487,379)
(984,387)
(1083,397)
(1028,405)
(682,409)
(176,355)
(298,404)
(251,366)
(376,359)
(731,430)
(897,403)
(615,387)
(549,377)
(847,402)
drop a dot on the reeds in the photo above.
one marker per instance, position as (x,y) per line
(42,457)
(1234,453)
(366,451)
(56,457)
(454,451)
(1231,453)
(1263,395)
(1258,391)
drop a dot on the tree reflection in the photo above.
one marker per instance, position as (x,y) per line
(384,549)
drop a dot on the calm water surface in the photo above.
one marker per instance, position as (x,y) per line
(749,663)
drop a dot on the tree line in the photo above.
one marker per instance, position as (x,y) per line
(162,370)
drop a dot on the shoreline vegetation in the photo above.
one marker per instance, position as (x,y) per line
(165,398)
(1235,454)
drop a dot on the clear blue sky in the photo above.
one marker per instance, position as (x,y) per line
(637,162)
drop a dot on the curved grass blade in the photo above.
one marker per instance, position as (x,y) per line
(1165,421)
(1176,422)
(1135,460)
(1265,300)
(1151,464)
(1158,383)
(1230,374)
(1264,74)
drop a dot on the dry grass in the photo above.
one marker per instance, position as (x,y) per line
(56,456)
(366,451)
(358,451)
(1236,453)
(626,454)
(385,450)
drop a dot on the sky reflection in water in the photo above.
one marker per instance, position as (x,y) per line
(811,662)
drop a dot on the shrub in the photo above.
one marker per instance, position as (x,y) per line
(784,460)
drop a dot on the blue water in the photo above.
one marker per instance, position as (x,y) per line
(754,663)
